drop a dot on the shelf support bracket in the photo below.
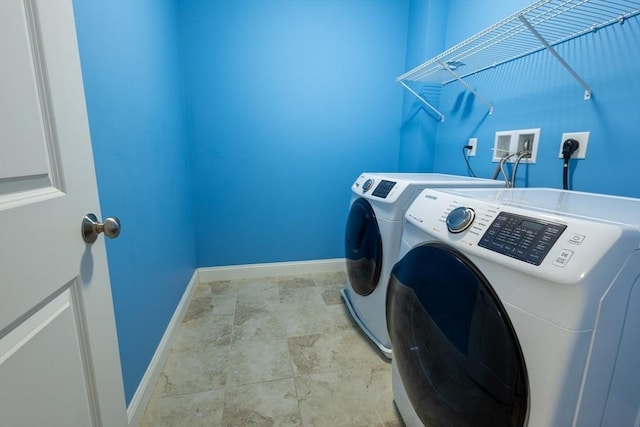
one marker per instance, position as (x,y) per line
(587,89)
(466,85)
(424,101)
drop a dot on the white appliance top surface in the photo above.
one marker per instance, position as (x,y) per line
(616,209)
(431,178)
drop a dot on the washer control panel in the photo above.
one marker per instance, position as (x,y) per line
(542,241)
(524,238)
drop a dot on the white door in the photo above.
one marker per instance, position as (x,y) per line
(59,363)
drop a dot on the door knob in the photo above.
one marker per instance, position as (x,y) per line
(91,227)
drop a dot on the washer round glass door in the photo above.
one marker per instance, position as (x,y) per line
(363,248)
(455,348)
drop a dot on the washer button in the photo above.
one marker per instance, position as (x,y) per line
(576,239)
(563,257)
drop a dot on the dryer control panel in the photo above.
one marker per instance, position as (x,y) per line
(524,238)
(378,188)
(382,188)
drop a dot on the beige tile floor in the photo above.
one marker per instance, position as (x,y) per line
(275,351)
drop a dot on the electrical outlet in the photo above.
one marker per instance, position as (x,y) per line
(473,143)
(582,138)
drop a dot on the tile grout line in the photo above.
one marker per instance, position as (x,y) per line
(226,373)
(293,371)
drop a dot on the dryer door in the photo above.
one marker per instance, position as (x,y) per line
(363,248)
(455,348)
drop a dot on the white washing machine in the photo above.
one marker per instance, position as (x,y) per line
(517,307)
(372,240)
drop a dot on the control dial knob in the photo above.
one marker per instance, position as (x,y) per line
(460,219)
(367,185)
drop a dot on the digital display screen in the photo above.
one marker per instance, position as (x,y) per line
(383,189)
(531,225)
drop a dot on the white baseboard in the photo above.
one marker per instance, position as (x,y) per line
(138,404)
(252,271)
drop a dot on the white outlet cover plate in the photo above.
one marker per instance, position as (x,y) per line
(473,142)
(582,138)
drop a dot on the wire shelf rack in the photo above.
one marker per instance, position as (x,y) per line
(542,25)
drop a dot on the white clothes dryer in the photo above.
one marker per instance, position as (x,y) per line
(517,307)
(372,240)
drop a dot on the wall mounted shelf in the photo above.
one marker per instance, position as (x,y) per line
(543,25)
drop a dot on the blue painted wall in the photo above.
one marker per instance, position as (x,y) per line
(130,62)
(288,102)
(283,104)
(426,37)
(537,92)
